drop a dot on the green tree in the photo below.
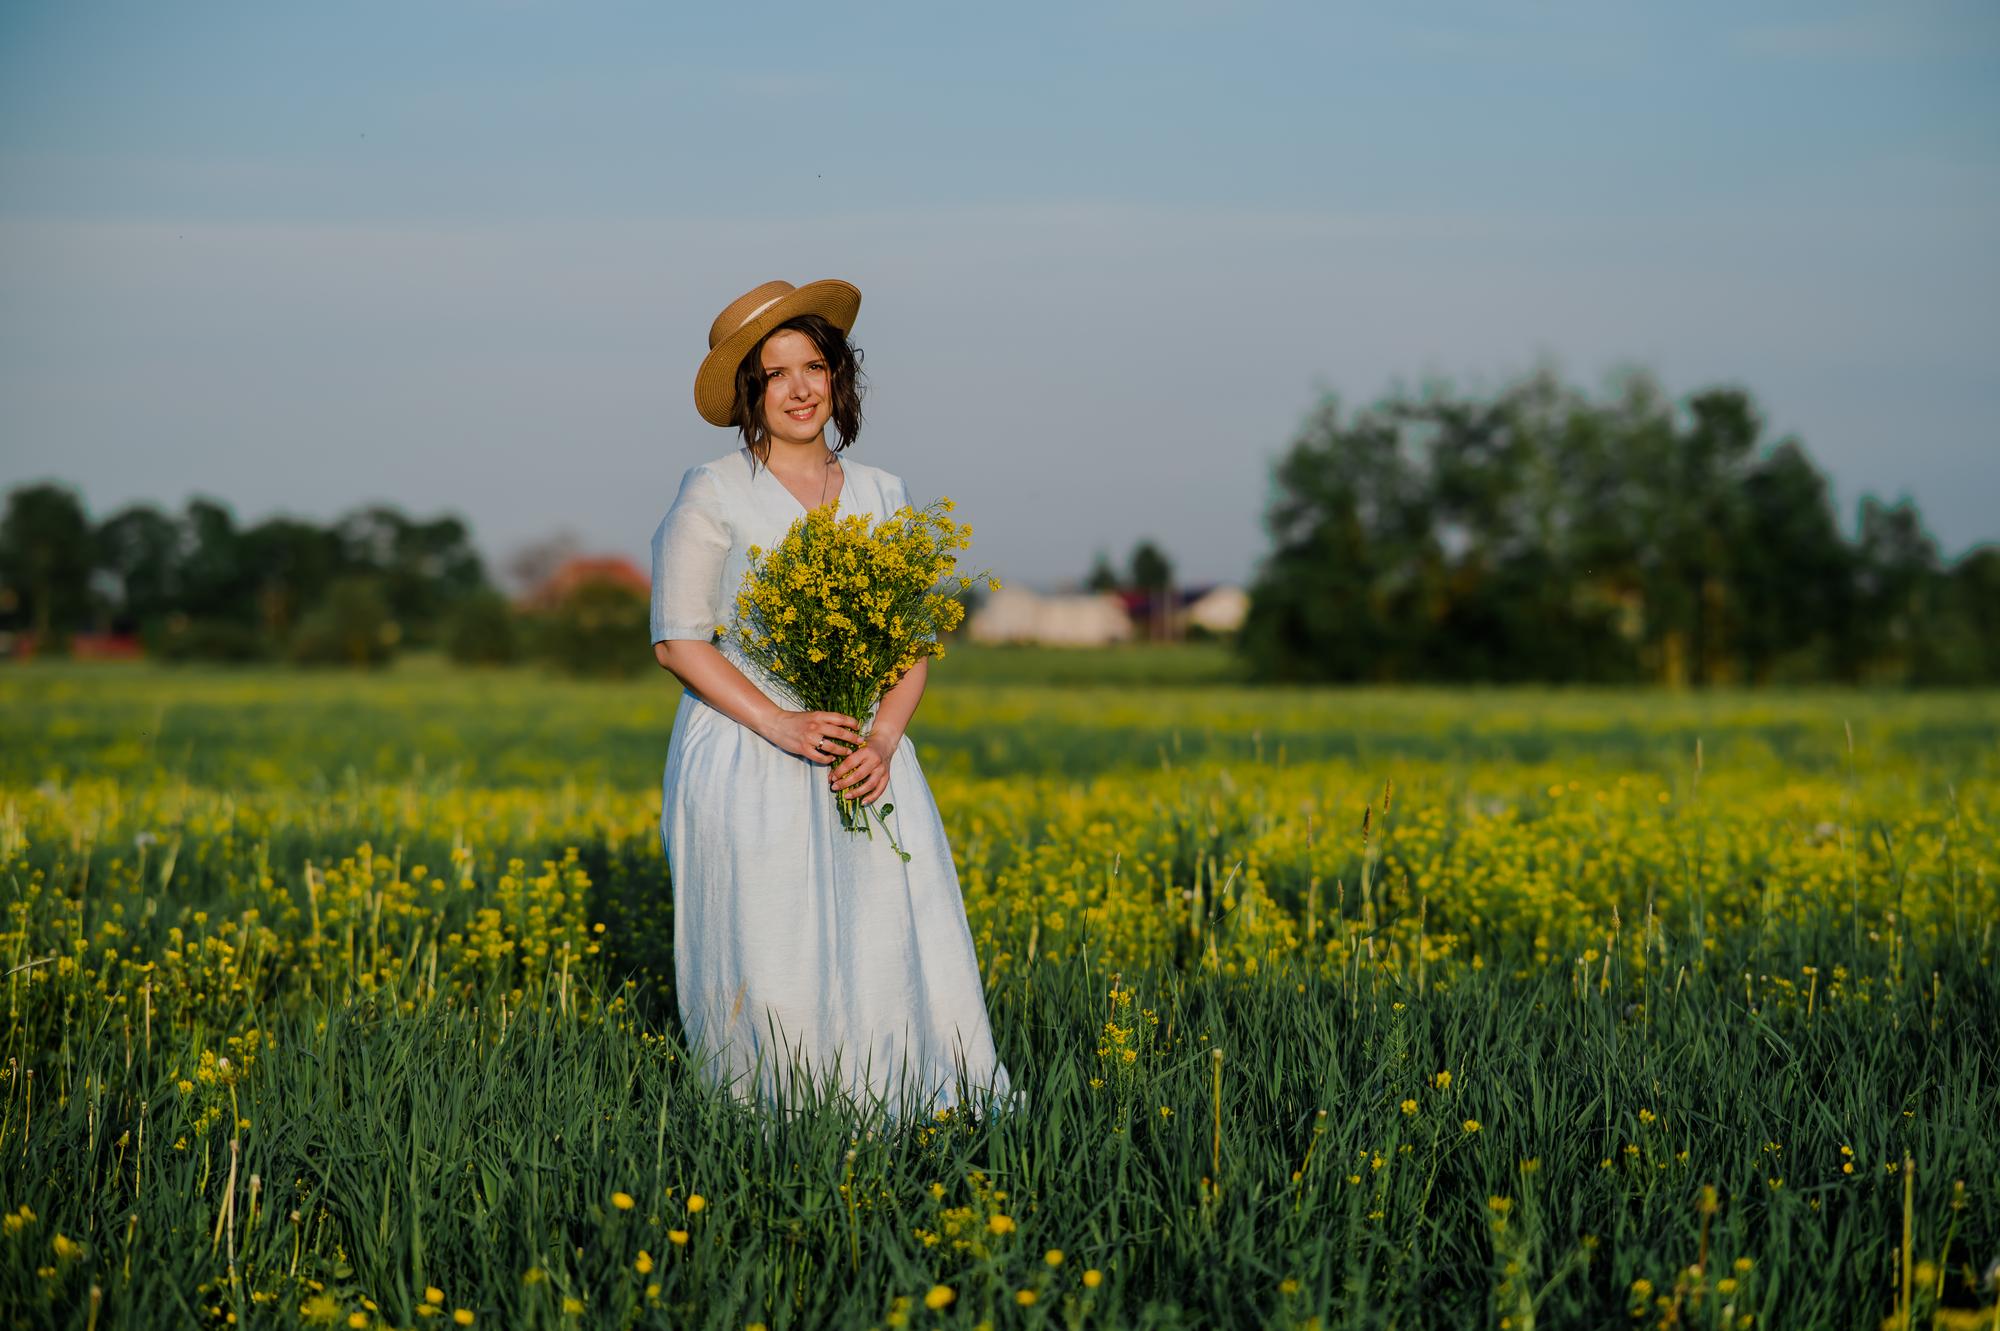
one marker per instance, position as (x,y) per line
(293,565)
(352,626)
(1896,567)
(1344,593)
(480,630)
(1793,576)
(1153,575)
(425,566)
(1703,522)
(1103,578)
(46,557)
(216,580)
(1536,534)
(139,548)
(1519,598)
(1962,644)
(593,629)
(1152,571)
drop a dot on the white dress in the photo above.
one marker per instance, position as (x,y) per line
(803,949)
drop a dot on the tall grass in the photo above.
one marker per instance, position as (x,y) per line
(315,1022)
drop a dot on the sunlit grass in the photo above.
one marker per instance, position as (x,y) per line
(335,997)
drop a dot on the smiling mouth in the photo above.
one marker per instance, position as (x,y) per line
(803,413)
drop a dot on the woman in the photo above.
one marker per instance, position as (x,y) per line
(804,952)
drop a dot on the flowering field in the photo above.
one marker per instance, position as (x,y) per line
(347,1000)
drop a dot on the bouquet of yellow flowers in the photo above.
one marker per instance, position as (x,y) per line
(842,607)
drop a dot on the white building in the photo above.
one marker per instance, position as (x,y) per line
(1220,610)
(1012,615)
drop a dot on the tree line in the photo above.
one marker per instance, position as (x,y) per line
(197,585)
(1534,534)
(1538,534)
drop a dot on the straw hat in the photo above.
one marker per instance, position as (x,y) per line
(745,321)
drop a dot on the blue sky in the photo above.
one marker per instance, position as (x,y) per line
(464,256)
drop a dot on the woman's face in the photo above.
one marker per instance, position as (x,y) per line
(796,387)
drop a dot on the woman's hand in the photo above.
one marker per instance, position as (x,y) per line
(864,774)
(822,737)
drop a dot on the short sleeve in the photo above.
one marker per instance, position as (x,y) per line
(689,548)
(895,494)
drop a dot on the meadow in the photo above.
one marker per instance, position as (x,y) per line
(346,1000)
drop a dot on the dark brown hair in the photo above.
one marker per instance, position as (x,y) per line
(844,389)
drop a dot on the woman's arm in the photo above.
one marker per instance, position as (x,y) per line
(722,686)
(865,773)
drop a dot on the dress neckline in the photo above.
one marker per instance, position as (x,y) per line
(833,502)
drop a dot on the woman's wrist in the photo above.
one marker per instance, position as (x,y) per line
(764,721)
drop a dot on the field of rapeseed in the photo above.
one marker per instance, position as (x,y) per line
(346,1001)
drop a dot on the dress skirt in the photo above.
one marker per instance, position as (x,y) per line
(812,960)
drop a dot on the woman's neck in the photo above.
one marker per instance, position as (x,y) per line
(795,459)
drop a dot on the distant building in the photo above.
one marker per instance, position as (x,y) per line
(579,570)
(1220,610)
(1013,615)
(81,646)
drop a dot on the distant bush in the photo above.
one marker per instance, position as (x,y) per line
(352,626)
(598,629)
(177,638)
(480,630)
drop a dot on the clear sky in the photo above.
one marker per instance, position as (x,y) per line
(463,256)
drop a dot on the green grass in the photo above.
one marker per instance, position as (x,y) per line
(1780,967)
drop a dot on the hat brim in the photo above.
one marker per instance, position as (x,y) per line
(715,382)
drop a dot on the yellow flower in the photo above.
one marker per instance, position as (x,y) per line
(622,1200)
(695,1203)
(68,1249)
(644,1265)
(1000,1224)
(1442,1081)
(1054,1256)
(1025,1297)
(572,1304)
(432,1294)
(940,1296)
(1092,1278)
(1409,1106)
(463,1316)
(1471,1125)
(677,1237)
